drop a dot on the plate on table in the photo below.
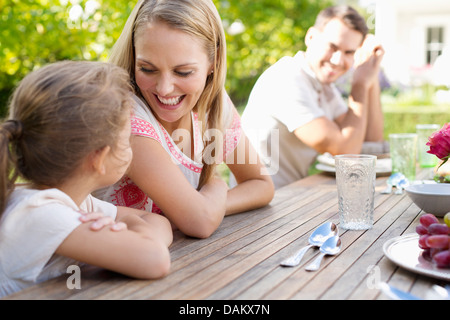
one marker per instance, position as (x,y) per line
(405,252)
(326,164)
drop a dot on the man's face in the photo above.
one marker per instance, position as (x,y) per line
(330,52)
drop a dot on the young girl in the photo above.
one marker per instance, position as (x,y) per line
(68,134)
(184,124)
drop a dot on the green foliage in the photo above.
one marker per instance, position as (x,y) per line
(36,32)
(403,109)
(401,119)
(272,29)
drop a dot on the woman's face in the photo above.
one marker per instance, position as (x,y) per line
(171,70)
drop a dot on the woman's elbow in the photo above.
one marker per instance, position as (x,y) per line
(267,191)
(205,225)
(201,233)
(201,230)
(270,190)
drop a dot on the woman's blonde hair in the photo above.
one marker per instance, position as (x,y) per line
(198,18)
(58,115)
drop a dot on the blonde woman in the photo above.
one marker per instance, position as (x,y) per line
(68,134)
(184,123)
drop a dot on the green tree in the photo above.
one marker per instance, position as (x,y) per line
(37,32)
(259,32)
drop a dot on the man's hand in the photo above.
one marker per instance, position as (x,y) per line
(370,47)
(367,61)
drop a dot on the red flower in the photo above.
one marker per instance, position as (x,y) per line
(439,143)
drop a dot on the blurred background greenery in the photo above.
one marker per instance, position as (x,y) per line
(37,32)
(259,32)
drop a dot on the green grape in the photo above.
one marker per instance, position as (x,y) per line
(447,219)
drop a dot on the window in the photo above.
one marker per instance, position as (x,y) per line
(435,43)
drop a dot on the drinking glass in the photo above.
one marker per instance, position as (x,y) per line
(403,148)
(355,179)
(423,131)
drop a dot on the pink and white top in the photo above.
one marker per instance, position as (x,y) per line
(126,193)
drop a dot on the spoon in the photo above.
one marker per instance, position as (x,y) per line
(316,239)
(331,247)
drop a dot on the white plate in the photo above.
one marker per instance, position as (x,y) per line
(383,167)
(405,252)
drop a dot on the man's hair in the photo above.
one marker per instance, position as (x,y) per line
(349,16)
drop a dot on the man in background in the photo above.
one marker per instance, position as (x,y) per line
(296,99)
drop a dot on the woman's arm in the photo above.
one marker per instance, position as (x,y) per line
(158,226)
(136,252)
(195,213)
(255,187)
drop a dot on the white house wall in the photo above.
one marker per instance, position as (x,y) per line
(401,27)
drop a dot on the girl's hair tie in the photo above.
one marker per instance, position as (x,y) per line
(14,128)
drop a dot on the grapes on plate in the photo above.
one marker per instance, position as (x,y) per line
(442,259)
(434,239)
(428,219)
(438,228)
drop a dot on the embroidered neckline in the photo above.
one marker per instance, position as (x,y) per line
(182,158)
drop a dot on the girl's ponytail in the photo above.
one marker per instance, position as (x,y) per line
(11,131)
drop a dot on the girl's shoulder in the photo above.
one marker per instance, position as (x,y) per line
(50,208)
(33,225)
(26,199)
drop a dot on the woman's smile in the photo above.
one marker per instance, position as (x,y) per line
(171,103)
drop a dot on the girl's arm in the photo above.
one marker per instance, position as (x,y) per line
(195,213)
(139,252)
(158,226)
(255,187)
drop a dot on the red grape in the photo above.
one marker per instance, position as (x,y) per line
(442,259)
(428,219)
(427,254)
(421,230)
(423,241)
(440,241)
(438,228)
(434,239)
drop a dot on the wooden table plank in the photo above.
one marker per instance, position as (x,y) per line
(241,260)
(249,243)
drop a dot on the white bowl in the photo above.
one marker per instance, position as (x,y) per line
(431,198)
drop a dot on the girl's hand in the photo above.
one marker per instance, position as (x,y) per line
(100,221)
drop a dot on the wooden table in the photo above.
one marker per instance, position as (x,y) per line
(241,260)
